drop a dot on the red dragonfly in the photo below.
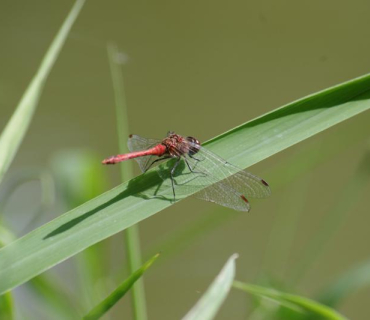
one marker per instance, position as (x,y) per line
(196,169)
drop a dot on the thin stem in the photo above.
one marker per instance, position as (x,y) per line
(132,237)
(352,192)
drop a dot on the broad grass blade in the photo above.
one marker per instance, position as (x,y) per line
(207,306)
(133,201)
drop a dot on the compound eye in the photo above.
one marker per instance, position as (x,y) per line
(193,140)
(196,147)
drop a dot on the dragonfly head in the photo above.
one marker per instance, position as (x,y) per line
(195,145)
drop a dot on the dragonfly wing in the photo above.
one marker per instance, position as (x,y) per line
(137,143)
(240,180)
(228,185)
(246,183)
(223,195)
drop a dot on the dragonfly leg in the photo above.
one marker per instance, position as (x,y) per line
(172,179)
(196,159)
(191,156)
(160,159)
(192,169)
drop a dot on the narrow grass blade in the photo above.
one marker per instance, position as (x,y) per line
(207,306)
(115,66)
(118,293)
(47,199)
(6,236)
(52,295)
(132,236)
(6,307)
(287,299)
(6,300)
(352,280)
(17,126)
(353,191)
(134,200)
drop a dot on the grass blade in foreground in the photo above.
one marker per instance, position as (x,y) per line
(131,235)
(131,202)
(17,126)
(290,299)
(208,305)
(117,294)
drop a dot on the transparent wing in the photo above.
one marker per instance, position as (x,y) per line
(223,195)
(223,183)
(137,143)
(242,181)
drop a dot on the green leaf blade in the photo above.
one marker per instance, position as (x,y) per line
(119,292)
(354,279)
(7,307)
(18,124)
(131,203)
(290,299)
(294,122)
(207,306)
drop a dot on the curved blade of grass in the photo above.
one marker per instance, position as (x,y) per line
(6,236)
(7,307)
(354,189)
(47,185)
(352,280)
(207,306)
(290,299)
(133,200)
(17,126)
(52,295)
(118,293)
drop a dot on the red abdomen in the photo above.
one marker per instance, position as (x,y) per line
(158,150)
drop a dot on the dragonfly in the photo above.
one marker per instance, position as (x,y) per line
(196,169)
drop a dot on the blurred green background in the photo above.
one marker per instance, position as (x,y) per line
(198,68)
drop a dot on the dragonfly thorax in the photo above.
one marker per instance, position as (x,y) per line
(177,145)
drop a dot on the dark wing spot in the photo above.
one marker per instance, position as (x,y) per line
(264,182)
(244,199)
(130,136)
